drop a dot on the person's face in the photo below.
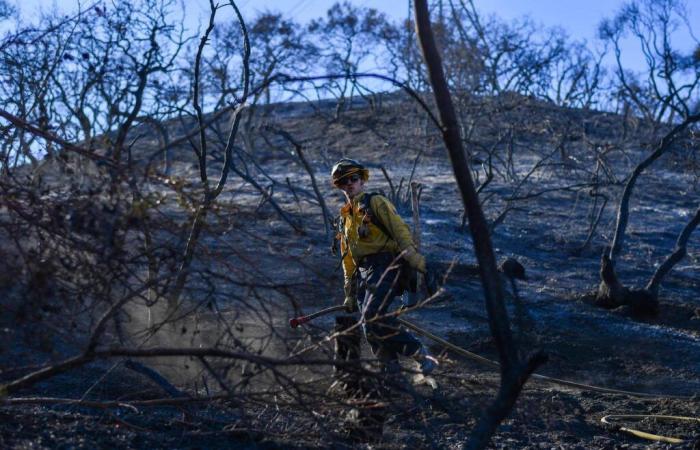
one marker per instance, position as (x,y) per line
(352,185)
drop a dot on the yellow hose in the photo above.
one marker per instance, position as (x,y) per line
(488,362)
(587,387)
(644,434)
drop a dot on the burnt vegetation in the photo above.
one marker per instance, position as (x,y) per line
(165,210)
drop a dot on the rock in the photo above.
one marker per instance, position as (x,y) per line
(511,268)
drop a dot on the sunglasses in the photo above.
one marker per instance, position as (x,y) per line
(349,180)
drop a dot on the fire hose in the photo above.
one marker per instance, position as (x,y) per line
(608,420)
(586,387)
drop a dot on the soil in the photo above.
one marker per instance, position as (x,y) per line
(586,344)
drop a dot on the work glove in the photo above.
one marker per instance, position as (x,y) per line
(350,304)
(415,260)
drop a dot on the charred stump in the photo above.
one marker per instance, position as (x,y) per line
(612,294)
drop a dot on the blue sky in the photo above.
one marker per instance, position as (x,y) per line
(579,18)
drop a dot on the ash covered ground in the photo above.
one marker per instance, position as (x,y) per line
(542,170)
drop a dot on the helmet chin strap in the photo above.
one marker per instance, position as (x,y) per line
(359,191)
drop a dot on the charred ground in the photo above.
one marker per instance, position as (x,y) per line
(544,170)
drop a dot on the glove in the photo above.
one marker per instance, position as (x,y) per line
(415,260)
(350,304)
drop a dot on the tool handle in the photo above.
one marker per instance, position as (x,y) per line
(296,321)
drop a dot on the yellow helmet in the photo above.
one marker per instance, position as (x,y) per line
(346,167)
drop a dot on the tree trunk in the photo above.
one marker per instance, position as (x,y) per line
(623,209)
(612,294)
(514,373)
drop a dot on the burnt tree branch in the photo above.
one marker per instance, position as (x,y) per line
(514,373)
(623,210)
(199,219)
(299,149)
(675,257)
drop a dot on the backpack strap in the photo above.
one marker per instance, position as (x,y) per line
(338,235)
(366,205)
(337,227)
(339,223)
(408,276)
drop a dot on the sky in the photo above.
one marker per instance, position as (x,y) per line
(580,18)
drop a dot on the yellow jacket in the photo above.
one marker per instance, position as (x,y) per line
(361,237)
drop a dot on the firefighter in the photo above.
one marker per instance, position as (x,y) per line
(378,258)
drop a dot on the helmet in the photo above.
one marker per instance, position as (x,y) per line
(346,167)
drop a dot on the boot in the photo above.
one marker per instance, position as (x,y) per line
(426,362)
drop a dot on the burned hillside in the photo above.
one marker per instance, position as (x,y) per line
(541,195)
(155,250)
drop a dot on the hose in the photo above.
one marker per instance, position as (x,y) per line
(586,387)
(494,364)
(643,434)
